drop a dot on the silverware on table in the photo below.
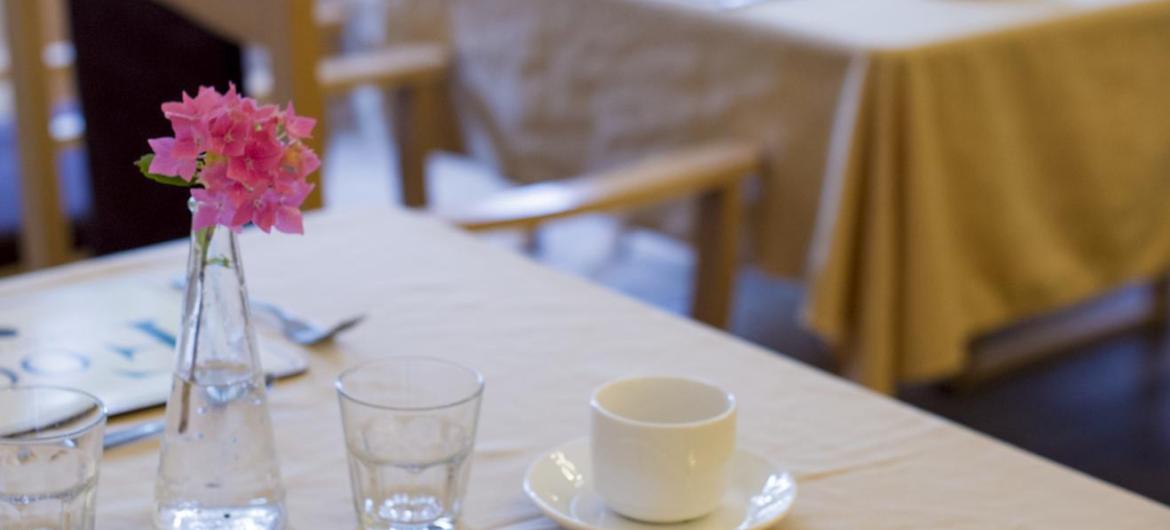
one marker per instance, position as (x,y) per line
(301,331)
(142,431)
(292,327)
(730,5)
(149,429)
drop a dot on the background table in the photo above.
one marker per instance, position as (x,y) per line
(940,168)
(544,341)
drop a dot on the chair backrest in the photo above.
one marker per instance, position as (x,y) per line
(45,232)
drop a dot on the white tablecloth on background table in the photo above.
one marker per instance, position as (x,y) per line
(544,341)
(939,168)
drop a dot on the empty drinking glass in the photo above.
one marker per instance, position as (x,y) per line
(50,449)
(409,431)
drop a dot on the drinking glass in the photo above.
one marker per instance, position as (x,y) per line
(409,431)
(50,449)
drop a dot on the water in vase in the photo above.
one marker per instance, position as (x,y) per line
(218,468)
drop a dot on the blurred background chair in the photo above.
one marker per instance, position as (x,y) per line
(36,81)
(713,175)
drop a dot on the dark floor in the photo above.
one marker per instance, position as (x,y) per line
(1103,409)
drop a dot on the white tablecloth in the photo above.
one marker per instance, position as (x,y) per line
(543,341)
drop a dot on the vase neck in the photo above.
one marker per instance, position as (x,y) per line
(216,340)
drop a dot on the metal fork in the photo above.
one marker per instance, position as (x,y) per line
(301,331)
(292,327)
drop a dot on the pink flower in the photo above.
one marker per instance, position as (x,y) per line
(184,108)
(214,175)
(255,166)
(298,162)
(230,99)
(248,158)
(203,105)
(282,209)
(211,208)
(185,147)
(191,132)
(255,113)
(189,117)
(231,206)
(171,158)
(227,135)
(243,201)
(298,127)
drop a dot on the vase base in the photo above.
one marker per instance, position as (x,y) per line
(270,517)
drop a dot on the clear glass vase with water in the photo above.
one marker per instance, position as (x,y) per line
(218,467)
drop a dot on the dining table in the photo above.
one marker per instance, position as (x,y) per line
(938,169)
(543,341)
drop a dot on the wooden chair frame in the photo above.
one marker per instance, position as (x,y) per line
(45,234)
(712,173)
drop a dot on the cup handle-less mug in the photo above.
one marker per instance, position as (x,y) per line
(661,447)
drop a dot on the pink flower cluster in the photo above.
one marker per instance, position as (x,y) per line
(249,158)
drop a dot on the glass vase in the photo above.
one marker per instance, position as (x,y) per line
(218,467)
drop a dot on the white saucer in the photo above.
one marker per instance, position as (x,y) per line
(758,494)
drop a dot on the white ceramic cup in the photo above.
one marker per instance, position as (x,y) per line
(661,446)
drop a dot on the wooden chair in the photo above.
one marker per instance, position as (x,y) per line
(304,73)
(45,230)
(713,173)
(418,74)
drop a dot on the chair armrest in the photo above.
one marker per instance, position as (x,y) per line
(331,14)
(653,180)
(398,65)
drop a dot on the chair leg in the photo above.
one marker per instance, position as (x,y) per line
(717,245)
(415,133)
(530,241)
(1158,358)
(294,65)
(450,138)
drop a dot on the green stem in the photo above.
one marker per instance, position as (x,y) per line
(202,244)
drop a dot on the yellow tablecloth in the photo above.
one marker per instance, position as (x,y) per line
(938,167)
(544,341)
(992,178)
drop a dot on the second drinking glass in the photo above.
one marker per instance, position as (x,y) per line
(409,431)
(50,451)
